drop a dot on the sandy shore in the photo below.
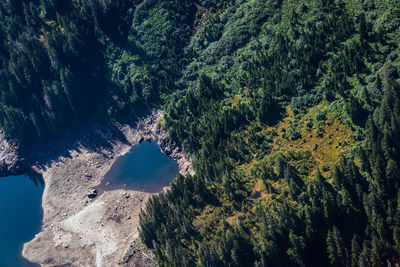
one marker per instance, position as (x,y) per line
(103,231)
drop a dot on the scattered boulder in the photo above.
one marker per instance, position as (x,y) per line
(92,193)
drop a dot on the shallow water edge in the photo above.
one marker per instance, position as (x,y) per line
(101,231)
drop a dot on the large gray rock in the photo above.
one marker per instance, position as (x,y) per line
(10,162)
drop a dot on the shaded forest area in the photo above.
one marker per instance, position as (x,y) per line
(65,62)
(291,110)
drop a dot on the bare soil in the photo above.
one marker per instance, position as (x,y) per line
(103,231)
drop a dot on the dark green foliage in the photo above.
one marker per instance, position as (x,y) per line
(223,84)
(151,60)
(53,69)
(66,62)
(299,53)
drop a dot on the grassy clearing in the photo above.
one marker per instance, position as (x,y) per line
(321,141)
(321,133)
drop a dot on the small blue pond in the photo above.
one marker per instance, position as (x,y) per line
(21,216)
(144,168)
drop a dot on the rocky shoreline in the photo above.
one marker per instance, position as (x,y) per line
(11,162)
(102,230)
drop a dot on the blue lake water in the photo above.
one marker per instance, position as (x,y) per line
(143,168)
(21,216)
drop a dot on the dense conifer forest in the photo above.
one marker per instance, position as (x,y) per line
(290,108)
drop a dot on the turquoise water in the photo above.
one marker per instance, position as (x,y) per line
(21,216)
(143,168)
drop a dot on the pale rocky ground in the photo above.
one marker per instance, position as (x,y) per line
(103,231)
(10,161)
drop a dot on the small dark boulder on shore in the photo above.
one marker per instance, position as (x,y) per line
(92,193)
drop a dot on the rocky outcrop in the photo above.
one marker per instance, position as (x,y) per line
(149,127)
(10,162)
(103,230)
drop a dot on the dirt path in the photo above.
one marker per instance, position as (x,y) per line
(103,231)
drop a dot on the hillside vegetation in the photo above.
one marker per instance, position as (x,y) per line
(291,110)
(64,62)
(294,124)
